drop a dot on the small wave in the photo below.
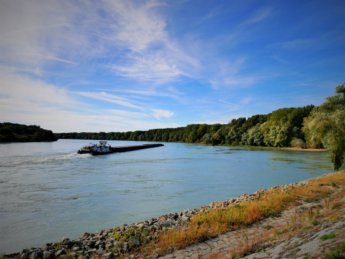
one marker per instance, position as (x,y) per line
(43,159)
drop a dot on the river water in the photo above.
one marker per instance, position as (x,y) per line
(48,192)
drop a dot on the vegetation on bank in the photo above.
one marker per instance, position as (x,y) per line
(206,225)
(12,132)
(304,127)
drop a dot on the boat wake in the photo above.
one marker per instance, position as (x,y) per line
(30,160)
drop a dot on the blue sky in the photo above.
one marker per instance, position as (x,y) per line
(119,65)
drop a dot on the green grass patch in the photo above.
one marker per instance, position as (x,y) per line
(333,255)
(327,236)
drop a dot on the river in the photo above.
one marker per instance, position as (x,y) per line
(48,191)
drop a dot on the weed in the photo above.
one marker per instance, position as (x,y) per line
(327,203)
(341,247)
(333,184)
(315,222)
(327,236)
(337,205)
(268,227)
(333,255)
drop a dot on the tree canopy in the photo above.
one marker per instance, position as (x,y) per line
(326,126)
(12,132)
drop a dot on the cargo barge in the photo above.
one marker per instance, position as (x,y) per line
(103,149)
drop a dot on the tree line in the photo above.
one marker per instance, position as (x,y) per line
(280,128)
(13,132)
(302,127)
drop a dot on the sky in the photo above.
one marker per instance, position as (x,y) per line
(122,65)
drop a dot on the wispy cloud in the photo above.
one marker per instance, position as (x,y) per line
(137,26)
(110,98)
(169,92)
(296,44)
(230,75)
(21,89)
(159,113)
(30,101)
(151,55)
(151,68)
(258,16)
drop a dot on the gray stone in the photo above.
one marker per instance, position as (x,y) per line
(109,255)
(125,247)
(134,241)
(48,255)
(35,254)
(60,252)
(91,243)
(76,248)
(24,255)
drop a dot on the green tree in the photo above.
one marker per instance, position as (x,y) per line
(326,125)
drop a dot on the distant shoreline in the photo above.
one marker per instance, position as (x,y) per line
(263,148)
(304,149)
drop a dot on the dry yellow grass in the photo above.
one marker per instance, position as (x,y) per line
(210,224)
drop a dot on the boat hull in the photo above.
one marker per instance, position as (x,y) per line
(124,149)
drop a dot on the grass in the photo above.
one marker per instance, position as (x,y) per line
(333,255)
(210,224)
(327,236)
(336,254)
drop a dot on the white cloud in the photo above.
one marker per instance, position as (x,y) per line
(29,101)
(133,34)
(137,26)
(110,98)
(233,82)
(34,32)
(151,68)
(152,54)
(169,92)
(159,113)
(229,75)
(21,89)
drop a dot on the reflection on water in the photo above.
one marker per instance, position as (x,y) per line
(48,192)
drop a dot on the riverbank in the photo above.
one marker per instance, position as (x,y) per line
(292,149)
(172,232)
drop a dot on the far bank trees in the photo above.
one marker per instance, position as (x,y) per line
(303,127)
(326,127)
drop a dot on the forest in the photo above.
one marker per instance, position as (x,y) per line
(12,132)
(304,127)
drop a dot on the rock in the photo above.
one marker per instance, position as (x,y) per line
(109,244)
(109,255)
(125,247)
(91,243)
(85,235)
(75,248)
(134,241)
(60,252)
(24,254)
(99,242)
(35,254)
(48,255)
(166,224)
(100,251)
(184,218)
(91,252)
(48,246)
